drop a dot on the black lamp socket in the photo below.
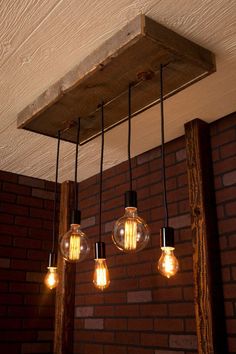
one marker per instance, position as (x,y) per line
(75,217)
(100,250)
(131,199)
(167,237)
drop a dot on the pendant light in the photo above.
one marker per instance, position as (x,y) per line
(51,279)
(74,245)
(131,233)
(101,278)
(168,264)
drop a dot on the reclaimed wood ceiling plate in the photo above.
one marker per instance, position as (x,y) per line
(132,56)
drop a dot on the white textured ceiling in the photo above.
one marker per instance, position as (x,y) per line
(41,40)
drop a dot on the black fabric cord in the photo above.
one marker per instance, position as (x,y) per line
(76,206)
(101,170)
(129,139)
(55,192)
(163,148)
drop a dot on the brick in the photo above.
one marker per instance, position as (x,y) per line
(183,341)
(153,310)
(223,138)
(14,209)
(168,294)
(168,352)
(229,178)
(181,309)
(31,182)
(8,177)
(127,337)
(150,340)
(139,296)
(4,263)
(114,349)
(7,197)
(35,277)
(169,325)
(228,150)
(29,201)
(35,348)
(180,155)
(115,324)
(84,311)
(230,208)
(94,323)
(180,221)
(88,222)
(16,189)
(45,335)
(42,194)
(140,324)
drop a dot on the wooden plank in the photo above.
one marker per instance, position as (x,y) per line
(208,295)
(65,294)
(141,46)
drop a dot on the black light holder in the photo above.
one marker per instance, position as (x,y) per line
(131,199)
(52,259)
(167,237)
(75,217)
(100,250)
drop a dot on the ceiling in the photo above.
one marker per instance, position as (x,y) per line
(40,41)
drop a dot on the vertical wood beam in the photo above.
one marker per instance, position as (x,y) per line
(208,297)
(65,294)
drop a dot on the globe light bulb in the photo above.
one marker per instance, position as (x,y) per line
(74,244)
(168,264)
(101,278)
(131,233)
(51,279)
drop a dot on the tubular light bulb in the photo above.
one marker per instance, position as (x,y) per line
(51,279)
(168,264)
(74,244)
(131,233)
(101,278)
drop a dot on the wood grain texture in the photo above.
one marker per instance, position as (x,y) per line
(65,294)
(141,46)
(206,269)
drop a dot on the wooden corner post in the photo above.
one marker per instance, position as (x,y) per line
(65,294)
(208,297)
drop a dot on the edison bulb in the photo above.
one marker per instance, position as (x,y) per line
(131,233)
(101,278)
(51,279)
(168,264)
(74,244)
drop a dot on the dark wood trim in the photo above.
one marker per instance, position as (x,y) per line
(208,297)
(65,294)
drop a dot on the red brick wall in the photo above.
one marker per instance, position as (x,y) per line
(142,312)
(26,307)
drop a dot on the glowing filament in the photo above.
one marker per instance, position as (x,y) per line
(74,251)
(131,233)
(101,276)
(51,280)
(168,264)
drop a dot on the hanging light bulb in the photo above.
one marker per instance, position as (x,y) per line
(51,279)
(74,244)
(130,233)
(168,264)
(101,278)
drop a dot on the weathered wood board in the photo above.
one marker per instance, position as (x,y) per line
(140,47)
(208,295)
(65,293)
